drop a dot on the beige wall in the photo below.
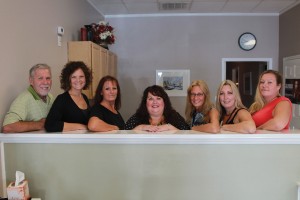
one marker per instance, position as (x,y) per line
(28,36)
(289,32)
(198,43)
(157,172)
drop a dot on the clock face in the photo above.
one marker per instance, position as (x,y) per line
(247,41)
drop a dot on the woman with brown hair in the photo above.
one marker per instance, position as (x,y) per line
(70,110)
(105,114)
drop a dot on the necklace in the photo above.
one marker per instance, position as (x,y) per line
(76,95)
(160,122)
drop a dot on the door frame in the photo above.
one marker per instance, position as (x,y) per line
(225,60)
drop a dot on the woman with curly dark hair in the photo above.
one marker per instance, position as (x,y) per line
(105,114)
(155,113)
(71,109)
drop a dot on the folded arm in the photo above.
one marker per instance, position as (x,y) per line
(243,123)
(281,117)
(24,126)
(213,126)
(97,125)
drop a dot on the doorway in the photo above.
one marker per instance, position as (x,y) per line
(244,73)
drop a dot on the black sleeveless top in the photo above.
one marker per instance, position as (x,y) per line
(232,116)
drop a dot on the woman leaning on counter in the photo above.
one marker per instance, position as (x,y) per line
(270,110)
(70,110)
(155,113)
(199,111)
(105,114)
(234,115)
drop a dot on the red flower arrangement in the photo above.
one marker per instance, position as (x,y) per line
(103,33)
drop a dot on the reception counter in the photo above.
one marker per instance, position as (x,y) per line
(129,165)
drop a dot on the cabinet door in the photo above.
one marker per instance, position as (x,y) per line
(96,68)
(112,64)
(104,62)
(291,76)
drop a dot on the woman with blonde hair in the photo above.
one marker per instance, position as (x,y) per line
(270,110)
(234,115)
(199,111)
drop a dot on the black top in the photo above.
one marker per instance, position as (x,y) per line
(177,121)
(198,119)
(64,109)
(107,116)
(232,116)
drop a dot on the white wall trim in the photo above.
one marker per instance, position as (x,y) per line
(224,60)
(2,172)
(291,57)
(188,14)
(178,137)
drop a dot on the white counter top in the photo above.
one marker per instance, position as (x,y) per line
(139,137)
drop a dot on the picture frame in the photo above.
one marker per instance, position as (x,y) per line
(248,83)
(174,82)
(292,90)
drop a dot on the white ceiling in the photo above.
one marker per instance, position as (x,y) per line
(128,7)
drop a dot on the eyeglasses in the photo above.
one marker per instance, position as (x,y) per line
(197,95)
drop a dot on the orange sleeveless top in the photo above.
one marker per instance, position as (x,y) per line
(265,114)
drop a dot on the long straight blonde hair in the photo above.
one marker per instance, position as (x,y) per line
(236,93)
(259,101)
(205,108)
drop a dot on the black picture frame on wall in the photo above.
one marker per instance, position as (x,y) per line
(292,90)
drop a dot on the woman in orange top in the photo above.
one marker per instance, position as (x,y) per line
(271,111)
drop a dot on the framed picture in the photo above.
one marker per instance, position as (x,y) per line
(175,82)
(292,90)
(248,83)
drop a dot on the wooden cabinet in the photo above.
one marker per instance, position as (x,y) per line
(101,61)
(112,64)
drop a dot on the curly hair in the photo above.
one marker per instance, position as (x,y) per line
(155,90)
(207,105)
(99,97)
(69,69)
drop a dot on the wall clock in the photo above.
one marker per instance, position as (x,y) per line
(247,41)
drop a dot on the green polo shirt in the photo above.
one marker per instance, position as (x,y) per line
(28,106)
